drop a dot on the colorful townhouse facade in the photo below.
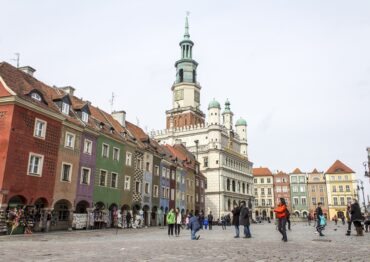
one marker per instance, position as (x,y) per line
(341,188)
(67,158)
(316,188)
(264,193)
(298,193)
(282,188)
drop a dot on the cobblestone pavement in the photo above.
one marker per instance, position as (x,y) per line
(153,244)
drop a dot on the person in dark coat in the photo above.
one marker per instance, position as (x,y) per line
(356,217)
(128,219)
(244,219)
(319,214)
(235,221)
(210,220)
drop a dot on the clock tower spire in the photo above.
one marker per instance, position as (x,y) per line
(185,90)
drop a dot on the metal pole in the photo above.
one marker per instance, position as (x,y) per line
(363,195)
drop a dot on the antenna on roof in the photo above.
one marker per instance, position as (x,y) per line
(111,101)
(18,55)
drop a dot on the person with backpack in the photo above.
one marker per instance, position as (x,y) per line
(281,214)
(320,220)
(171,219)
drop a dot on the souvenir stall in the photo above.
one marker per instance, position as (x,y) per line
(3,227)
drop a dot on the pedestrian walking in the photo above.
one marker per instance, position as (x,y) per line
(205,223)
(210,220)
(343,219)
(281,214)
(335,218)
(194,226)
(320,219)
(348,218)
(356,217)
(178,222)
(367,222)
(171,219)
(244,219)
(235,220)
(201,219)
(223,222)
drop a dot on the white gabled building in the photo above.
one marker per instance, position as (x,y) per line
(221,147)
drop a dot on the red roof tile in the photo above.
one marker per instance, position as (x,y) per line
(262,171)
(339,168)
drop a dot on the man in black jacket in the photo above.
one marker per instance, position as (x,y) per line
(244,219)
(235,221)
(356,217)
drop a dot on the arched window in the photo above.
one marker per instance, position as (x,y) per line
(228,184)
(233,186)
(243,188)
(247,188)
(229,204)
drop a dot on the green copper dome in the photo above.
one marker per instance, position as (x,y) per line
(241,122)
(214,104)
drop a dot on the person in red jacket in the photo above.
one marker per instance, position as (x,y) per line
(281,215)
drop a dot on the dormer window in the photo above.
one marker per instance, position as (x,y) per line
(36,96)
(65,108)
(85,117)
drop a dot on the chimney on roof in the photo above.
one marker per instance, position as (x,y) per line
(28,70)
(120,116)
(68,89)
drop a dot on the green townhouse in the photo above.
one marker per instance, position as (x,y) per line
(109,178)
(298,193)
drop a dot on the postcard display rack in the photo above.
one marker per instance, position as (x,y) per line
(3,228)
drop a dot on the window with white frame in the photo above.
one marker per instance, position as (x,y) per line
(347,188)
(168,173)
(196,197)
(321,188)
(105,151)
(85,117)
(116,152)
(340,188)
(302,188)
(167,193)
(301,179)
(127,182)
(87,146)
(65,108)
(262,180)
(40,128)
(296,200)
(103,178)
(269,202)
(128,158)
(293,179)
(164,171)
(147,166)
(172,194)
(335,201)
(295,189)
(70,140)
(35,164)
(196,182)
(201,183)
(342,201)
(278,180)
(322,200)
(314,201)
(155,191)
(66,172)
(156,170)
(138,187)
(285,189)
(85,176)
(262,191)
(182,196)
(138,164)
(172,175)
(146,188)
(256,202)
(278,189)
(263,202)
(163,192)
(348,200)
(182,180)
(303,201)
(114,180)
(269,191)
(268,180)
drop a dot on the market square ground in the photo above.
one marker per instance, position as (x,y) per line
(153,244)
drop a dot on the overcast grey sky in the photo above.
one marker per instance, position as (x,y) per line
(297,71)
